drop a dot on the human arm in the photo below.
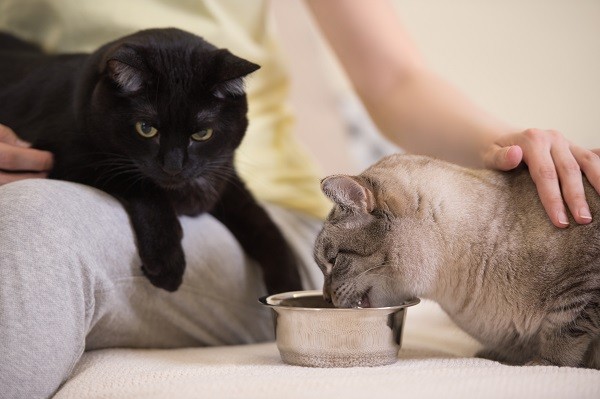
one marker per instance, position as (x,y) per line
(422,113)
(18,161)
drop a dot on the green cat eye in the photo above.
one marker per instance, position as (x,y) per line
(145,130)
(202,135)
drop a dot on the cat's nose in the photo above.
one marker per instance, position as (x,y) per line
(172,163)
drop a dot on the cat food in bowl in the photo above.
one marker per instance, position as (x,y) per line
(312,332)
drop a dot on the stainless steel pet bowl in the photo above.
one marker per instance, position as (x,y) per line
(311,332)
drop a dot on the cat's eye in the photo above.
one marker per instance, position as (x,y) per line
(202,135)
(145,130)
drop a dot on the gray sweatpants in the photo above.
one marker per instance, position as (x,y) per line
(70,281)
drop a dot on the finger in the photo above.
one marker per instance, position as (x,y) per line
(589,161)
(24,159)
(545,177)
(12,177)
(503,158)
(7,135)
(571,183)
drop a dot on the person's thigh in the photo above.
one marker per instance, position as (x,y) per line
(215,305)
(46,284)
(70,279)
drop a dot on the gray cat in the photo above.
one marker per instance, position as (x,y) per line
(479,243)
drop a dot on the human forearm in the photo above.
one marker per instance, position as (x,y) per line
(423,113)
(368,39)
(413,107)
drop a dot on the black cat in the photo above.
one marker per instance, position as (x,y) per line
(152,119)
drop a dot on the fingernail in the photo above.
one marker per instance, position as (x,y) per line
(562,218)
(584,213)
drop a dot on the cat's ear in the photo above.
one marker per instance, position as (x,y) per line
(125,68)
(230,71)
(348,193)
(230,66)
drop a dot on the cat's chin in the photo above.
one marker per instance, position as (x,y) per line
(171,184)
(364,302)
(380,298)
(371,298)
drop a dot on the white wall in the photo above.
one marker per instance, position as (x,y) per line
(534,62)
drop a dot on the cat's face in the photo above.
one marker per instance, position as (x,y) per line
(375,247)
(168,105)
(353,249)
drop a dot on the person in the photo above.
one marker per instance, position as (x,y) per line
(69,272)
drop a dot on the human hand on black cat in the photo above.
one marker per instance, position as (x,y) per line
(556,166)
(18,161)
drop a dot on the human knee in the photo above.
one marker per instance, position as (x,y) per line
(42,295)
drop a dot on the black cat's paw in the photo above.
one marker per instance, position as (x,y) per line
(279,287)
(287,281)
(165,272)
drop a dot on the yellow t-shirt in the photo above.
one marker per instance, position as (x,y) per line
(274,165)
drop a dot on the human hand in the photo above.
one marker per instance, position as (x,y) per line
(555,165)
(18,161)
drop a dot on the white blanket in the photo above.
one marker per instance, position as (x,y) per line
(435,362)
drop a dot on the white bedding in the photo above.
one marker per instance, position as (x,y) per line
(434,362)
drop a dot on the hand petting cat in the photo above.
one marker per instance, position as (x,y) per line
(529,293)
(424,114)
(555,165)
(18,161)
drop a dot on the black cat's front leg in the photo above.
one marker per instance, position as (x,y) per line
(158,235)
(259,236)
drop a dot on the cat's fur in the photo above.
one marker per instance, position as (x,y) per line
(84,109)
(476,241)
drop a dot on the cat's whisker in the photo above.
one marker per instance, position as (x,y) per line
(134,179)
(214,191)
(383,275)
(152,140)
(138,180)
(111,163)
(368,270)
(92,165)
(120,174)
(116,166)
(117,170)
(221,171)
(223,177)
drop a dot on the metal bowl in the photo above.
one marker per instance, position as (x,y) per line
(312,332)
